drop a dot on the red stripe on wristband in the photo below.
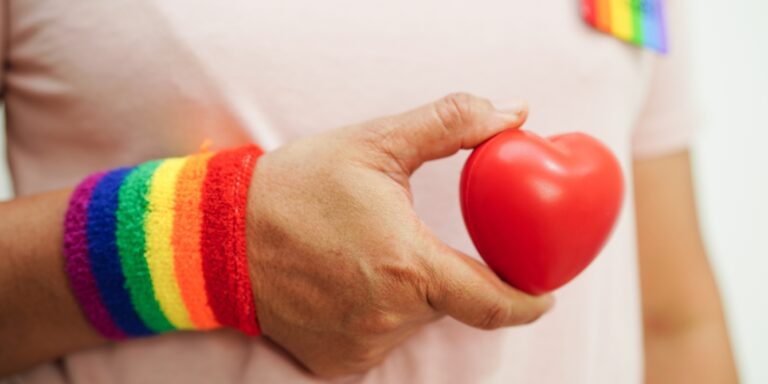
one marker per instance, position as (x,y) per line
(225,264)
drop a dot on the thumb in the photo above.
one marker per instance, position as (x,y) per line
(442,128)
(468,291)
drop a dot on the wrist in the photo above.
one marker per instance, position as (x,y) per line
(161,246)
(263,235)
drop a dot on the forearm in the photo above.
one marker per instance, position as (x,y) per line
(686,338)
(40,318)
(694,352)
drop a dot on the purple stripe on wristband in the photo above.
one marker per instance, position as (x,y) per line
(78,266)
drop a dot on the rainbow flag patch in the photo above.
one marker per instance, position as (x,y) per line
(640,22)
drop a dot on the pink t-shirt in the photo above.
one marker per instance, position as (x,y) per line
(90,85)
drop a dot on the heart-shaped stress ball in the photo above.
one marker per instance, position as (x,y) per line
(540,209)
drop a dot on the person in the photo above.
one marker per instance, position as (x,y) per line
(361,268)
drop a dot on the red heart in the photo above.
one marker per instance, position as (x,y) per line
(539,210)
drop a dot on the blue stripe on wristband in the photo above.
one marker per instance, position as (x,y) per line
(104,257)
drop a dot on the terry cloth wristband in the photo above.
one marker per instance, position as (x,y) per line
(160,246)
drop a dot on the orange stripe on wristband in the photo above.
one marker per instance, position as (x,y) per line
(188,223)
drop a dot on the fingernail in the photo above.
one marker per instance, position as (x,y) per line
(511,106)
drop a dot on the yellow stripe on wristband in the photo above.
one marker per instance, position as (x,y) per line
(159,248)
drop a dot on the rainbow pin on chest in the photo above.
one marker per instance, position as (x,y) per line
(640,22)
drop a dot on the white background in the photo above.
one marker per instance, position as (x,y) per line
(730,47)
(731,155)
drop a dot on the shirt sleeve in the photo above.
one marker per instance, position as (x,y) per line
(669,117)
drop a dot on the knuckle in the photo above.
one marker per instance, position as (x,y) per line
(327,373)
(494,317)
(400,274)
(374,323)
(361,356)
(381,138)
(328,370)
(454,109)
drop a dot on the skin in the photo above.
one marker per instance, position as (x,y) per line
(349,211)
(334,211)
(325,214)
(686,338)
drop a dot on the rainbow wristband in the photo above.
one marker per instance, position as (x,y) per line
(160,246)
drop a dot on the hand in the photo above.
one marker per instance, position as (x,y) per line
(342,268)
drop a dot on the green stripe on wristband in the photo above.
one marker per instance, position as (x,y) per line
(131,246)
